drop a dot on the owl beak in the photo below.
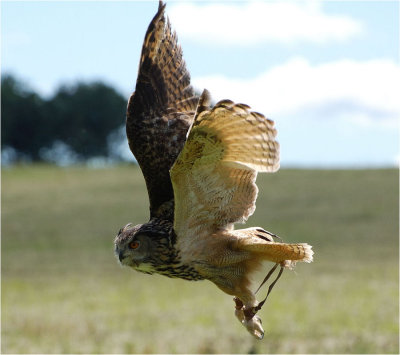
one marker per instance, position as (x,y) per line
(120,256)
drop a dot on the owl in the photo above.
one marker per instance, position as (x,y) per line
(200,164)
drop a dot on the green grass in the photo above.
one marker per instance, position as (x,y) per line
(63,291)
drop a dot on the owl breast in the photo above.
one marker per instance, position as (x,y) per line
(180,271)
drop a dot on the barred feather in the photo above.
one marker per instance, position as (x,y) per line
(261,243)
(160,111)
(214,175)
(248,137)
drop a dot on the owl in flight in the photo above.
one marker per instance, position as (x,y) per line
(200,165)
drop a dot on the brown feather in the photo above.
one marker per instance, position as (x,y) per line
(249,240)
(191,232)
(160,111)
(214,176)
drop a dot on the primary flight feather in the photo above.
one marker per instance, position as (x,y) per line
(200,164)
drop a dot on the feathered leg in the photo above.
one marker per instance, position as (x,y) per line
(247,314)
(258,246)
(245,306)
(261,245)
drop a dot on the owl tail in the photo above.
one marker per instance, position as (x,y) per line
(298,252)
(285,254)
(261,243)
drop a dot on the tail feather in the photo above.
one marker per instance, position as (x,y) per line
(261,243)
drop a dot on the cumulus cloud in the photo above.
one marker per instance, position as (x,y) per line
(364,92)
(254,22)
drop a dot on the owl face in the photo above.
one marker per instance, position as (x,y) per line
(132,247)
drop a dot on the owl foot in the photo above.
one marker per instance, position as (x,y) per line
(249,319)
(254,327)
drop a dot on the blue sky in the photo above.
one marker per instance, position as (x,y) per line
(326,72)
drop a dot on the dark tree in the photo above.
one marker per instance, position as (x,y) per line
(85,114)
(24,125)
(82,116)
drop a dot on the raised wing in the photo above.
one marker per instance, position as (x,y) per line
(214,175)
(160,111)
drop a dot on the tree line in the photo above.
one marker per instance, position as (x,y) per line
(78,122)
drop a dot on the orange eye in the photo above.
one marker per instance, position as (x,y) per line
(134,245)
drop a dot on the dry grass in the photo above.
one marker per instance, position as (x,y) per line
(63,292)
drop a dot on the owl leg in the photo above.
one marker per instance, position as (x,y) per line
(244,312)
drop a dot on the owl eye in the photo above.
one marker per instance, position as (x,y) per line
(134,245)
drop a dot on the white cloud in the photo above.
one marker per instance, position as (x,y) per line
(363,92)
(254,22)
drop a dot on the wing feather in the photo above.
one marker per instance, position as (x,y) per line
(214,175)
(160,111)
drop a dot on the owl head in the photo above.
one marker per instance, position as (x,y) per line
(143,246)
(133,246)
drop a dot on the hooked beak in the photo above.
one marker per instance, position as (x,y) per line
(120,256)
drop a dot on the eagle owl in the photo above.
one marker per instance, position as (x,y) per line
(200,165)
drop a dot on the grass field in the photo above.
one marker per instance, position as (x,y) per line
(63,291)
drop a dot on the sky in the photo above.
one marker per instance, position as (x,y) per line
(327,72)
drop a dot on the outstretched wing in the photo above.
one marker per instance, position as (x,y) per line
(214,175)
(160,111)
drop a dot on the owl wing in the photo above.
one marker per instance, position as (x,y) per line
(160,111)
(214,175)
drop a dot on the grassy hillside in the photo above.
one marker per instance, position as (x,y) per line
(63,291)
